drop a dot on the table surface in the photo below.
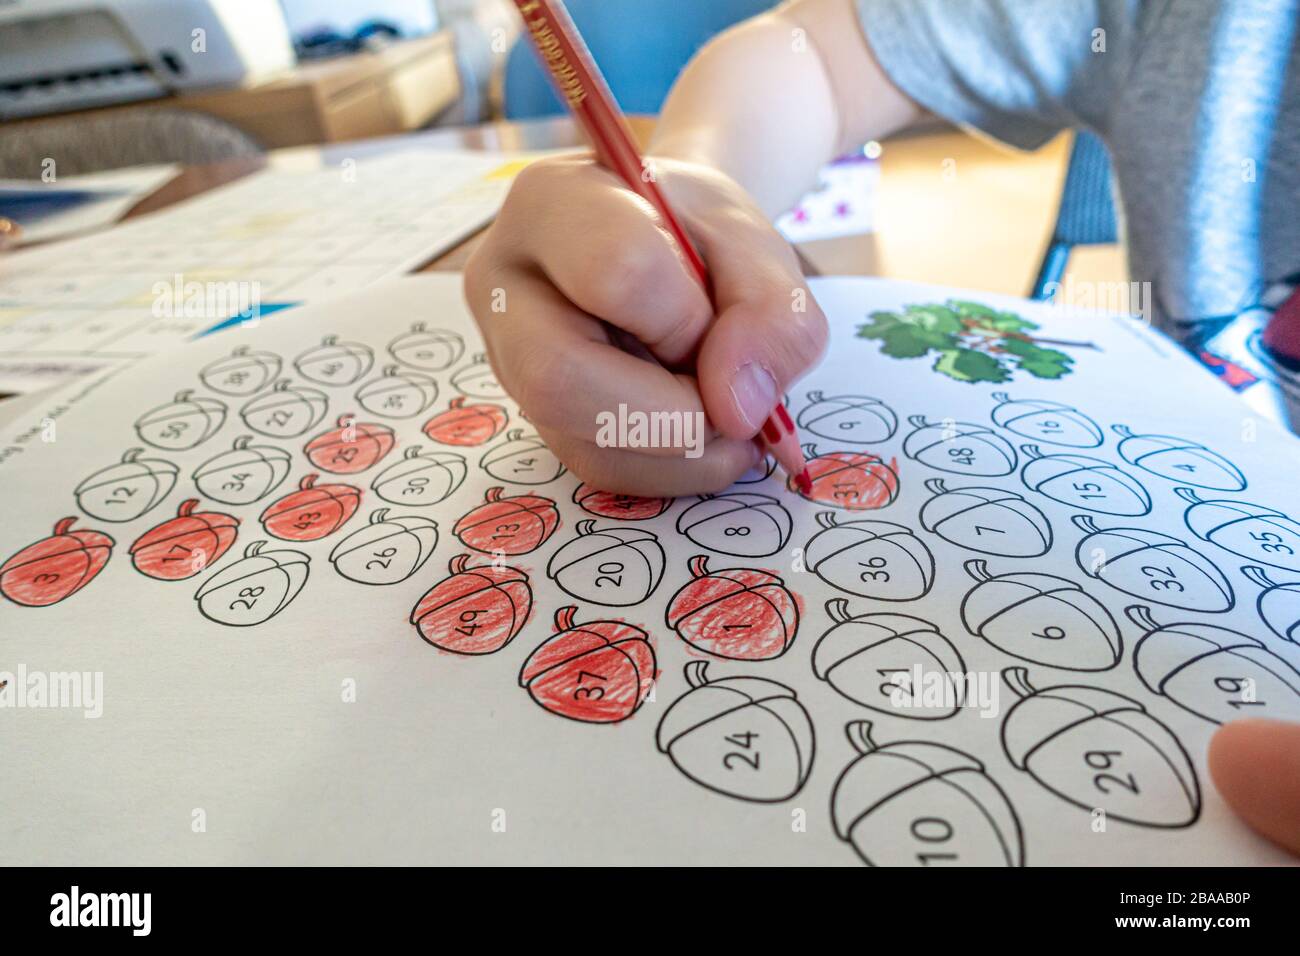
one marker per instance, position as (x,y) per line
(951,208)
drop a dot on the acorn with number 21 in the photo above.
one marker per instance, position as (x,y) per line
(598,673)
(744,737)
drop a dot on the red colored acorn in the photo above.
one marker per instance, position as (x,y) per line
(739,613)
(476,610)
(466,425)
(514,525)
(183,546)
(311,512)
(56,567)
(854,480)
(598,673)
(350,448)
(607,504)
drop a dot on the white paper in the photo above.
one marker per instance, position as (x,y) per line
(288,234)
(119,189)
(332,732)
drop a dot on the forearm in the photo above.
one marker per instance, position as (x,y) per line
(773,99)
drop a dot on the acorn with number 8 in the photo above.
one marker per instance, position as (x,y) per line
(600,672)
(870,558)
(1098,749)
(1213,672)
(871,660)
(431,350)
(478,609)
(738,613)
(1042,619)
(916,803)
(741,523)
(744,737)
(387,550)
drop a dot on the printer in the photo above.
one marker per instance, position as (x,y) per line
(60,55)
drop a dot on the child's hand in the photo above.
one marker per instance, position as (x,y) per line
(572,246)
(1256,766)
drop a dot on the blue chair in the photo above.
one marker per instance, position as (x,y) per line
(1087,213)
(640,45)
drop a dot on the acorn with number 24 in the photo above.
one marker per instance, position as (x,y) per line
(745,737)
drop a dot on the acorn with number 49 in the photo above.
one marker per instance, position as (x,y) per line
(1042,619)
(1100,750)
(744,737)
(600,672)
(478,609)
(917,803)
(1213,672)
(872,658)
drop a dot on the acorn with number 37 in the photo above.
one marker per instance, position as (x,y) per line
(597,673)
(1213,672)
(1100,750)
(744,737)
(917,803)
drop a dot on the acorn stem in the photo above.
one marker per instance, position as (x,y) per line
(1140,614)
(699,565)
(564,618)
(1258,575)
(859,734)
(827,519)
(1017,678)
(1032,451)
(1001,397)
(1085,524)
(935,486)
(917,421)
(1122,430)
(838,610)
(978,569)
(697,673)
(1188,495)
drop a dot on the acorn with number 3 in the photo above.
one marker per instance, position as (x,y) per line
(597,673)
(1100,750)
(55,567)
(744,737)
(917,803)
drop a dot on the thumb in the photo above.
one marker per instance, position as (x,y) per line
(1255,764)
(769,331)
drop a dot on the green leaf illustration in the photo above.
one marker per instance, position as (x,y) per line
(968,365)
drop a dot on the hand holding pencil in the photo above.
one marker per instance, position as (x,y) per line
(576,250)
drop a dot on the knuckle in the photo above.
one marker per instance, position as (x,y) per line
(622,281)
(539,380)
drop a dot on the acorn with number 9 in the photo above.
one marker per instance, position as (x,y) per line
(1042,619)
(871,660)
(1213,672)
(478,609)
(852,419)
(741,523)
(917,803)
(870,558)
(744,737)
(387,550)
(1100,750)
(1255,532)
(431,350)
(739,613)
(615,567)
(600,672)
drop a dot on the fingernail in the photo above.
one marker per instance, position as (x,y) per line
(754,390)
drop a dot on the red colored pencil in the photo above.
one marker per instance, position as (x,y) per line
(581,85)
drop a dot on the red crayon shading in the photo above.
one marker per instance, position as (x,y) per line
(738,613)
(56,567)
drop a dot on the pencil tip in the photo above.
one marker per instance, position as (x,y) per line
(804,482)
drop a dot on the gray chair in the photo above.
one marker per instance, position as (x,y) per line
(117,139)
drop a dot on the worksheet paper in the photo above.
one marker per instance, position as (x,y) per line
(279,237)
(329,600)
(115,192)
